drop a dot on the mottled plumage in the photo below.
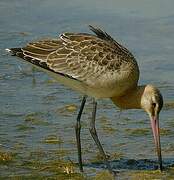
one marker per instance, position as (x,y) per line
(89,59)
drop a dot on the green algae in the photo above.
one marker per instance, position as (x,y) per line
(71,107)
(53,139)
(167,173)
(50,81)
(22,127)
(103,120)
(68,108)
(106,125)
(104,175)
(165,132)
(37,168)
(39,154)
(147,131)
(49,170)
(98,158)
(145,175)
(6,157)
(35,119)
(34,166)
(61,169)
(116,156)
(109,130)
(61,152)
(138,131)
(19,145)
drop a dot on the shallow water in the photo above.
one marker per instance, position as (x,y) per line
(37,115)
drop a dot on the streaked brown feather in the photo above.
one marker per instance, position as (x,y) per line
(79,55)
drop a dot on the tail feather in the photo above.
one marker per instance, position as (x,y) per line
(15,52)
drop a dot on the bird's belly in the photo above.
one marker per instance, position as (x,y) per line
(97,90)
(107,92)
(110,86)
(103,87)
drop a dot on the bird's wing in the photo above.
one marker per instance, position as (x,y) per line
(76,55)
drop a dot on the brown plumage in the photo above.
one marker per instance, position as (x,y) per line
(100,63)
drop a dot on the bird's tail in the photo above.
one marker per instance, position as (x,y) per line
(14,51)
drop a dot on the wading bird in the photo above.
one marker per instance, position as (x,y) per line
(96,66)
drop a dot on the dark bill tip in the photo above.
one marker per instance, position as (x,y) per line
(156,135)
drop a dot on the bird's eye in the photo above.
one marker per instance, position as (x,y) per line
(154,105)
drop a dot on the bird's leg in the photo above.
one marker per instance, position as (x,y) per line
(95,136)
(77,129)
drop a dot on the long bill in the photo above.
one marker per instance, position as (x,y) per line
(156,135)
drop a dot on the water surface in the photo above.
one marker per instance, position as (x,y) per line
(37,115)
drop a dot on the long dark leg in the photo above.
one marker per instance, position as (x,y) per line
(77,129)
(95,136)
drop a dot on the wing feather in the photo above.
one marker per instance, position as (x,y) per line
(78,55)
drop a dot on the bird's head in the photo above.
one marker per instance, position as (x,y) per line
(152,103)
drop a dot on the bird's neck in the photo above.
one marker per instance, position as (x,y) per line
(131,99)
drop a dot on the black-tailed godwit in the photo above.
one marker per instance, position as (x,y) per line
(96,66)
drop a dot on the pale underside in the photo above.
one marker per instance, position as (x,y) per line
(97,66)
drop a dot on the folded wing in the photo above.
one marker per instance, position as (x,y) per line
(77,55)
